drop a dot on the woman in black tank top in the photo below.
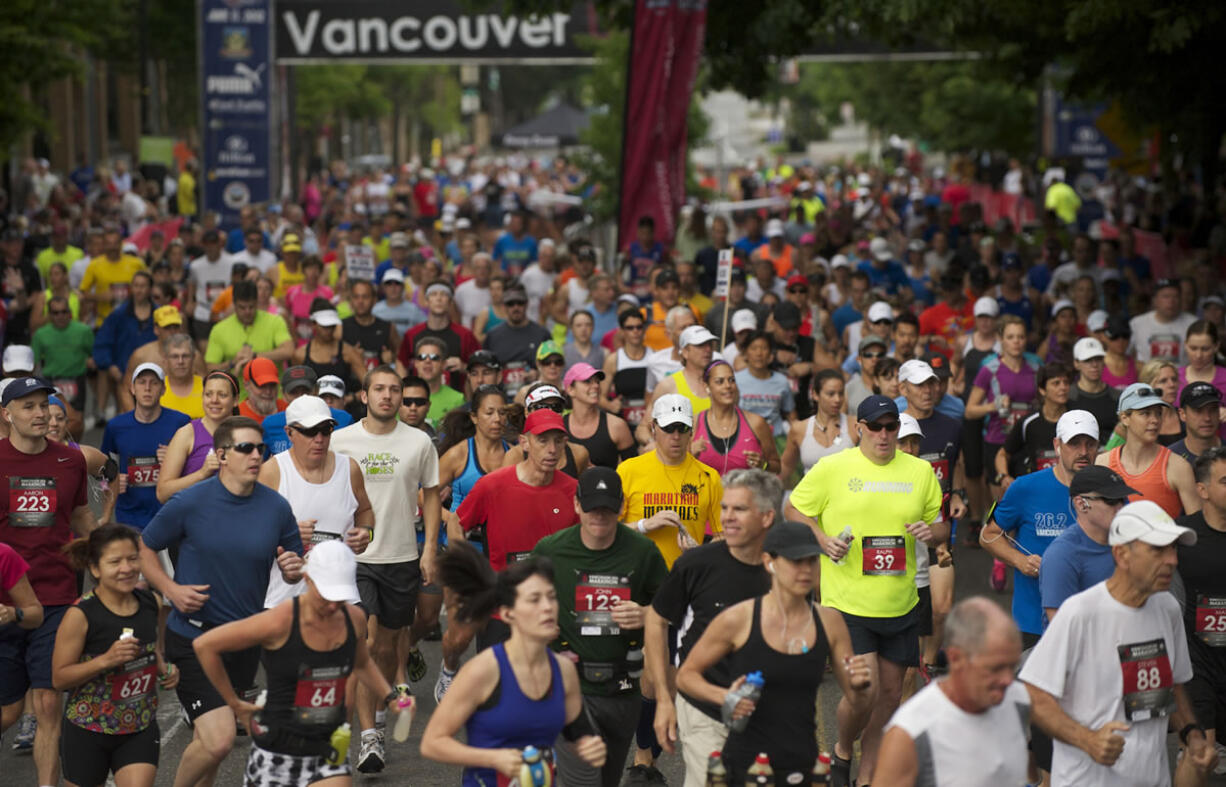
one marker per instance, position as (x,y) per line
(788,638)
(611,439)
(309,646)
(324,352)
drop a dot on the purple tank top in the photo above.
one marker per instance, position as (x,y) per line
(733,457)
(202,443)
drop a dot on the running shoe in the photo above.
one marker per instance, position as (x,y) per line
(27,726)
(416,666)
(998,576)
(840,771)
(371,754)
(642,775)
(443,683)
(970,532)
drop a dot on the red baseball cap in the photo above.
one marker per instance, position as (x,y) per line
(541,421)
(797,278)
(261,371)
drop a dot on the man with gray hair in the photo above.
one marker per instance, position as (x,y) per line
(704,581)
(967,729)
(662,363)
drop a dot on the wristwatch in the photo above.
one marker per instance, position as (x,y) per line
(960,493)
(391,697)
(1183,734)
(19,615)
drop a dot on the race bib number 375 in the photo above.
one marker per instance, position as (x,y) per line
(32,502)
(1148,687)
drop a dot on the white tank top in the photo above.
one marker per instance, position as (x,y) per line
(577,296)
(626,362)
(331,504)
(811,450)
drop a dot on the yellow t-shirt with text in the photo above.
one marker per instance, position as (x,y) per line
(103,275)
(691,488)
(876,578)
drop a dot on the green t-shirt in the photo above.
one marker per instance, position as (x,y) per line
(63,354)
(443,402)
(586,581)
(266,333)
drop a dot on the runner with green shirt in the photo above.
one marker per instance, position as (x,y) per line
(248,333)
(64,349)
(888,500)
(605,575)
(429,358)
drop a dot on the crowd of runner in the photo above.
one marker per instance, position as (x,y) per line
(426,404)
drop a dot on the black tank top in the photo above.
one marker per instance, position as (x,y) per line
(306,692)
(570,468)
(336,367)
(630,383)
(370,339)
(970,365)
(782,724)
(600,446)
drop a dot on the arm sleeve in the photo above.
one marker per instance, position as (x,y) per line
(213,351)
(669,601)
(1014,441)
(789,401)
(108,442)
(713,509)
(655,573)
(104,341)
(12,567)
(932,496)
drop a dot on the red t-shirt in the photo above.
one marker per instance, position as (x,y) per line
(43,491)
(460,341)
(942,320)
(12,569)
(425,196)
(517,515)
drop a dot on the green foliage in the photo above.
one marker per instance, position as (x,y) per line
(327,93)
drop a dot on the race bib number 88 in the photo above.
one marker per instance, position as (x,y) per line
(1148,686)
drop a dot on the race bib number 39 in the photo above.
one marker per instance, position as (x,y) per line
(595,597)
(320,694)
(32,502)
(1148,687)
(1211,620)
(884,556)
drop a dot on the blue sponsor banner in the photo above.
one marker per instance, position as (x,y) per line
(1077,134)
(236,104)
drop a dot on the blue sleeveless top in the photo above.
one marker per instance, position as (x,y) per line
(473,471)
(508,719)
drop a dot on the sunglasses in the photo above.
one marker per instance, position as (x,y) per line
(314,431)
(798,290)
(549,404)
(638,327)
(429,357)
(514,303)
(1114,502)
(552,361)
(877,426)
(416,401)
(871,356)
(246,448)
(883,322)
(676,428)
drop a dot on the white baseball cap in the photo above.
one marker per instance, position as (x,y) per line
(696,334)
(1088,347)
(839,261)
(1145,521)
(880,249)
(880,311)
(1076,422)
(908,425)
(333,569)
(987,307)
(1061,305)
(328,318)
(148,367)
(1097,321)
(774,228)
(18,358)
(744,320)
(672,409)
(331,384)
(916,372)
(392,274)
(308,411)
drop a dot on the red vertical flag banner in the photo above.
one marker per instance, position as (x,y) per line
(665,49)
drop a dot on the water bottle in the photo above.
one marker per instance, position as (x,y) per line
(340,744)
(535,771)
(846,537)
(634,660)
(404,719)
(760,774)
(717,774)
(751,689)
(821,770)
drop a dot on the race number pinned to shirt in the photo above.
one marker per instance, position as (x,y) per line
(67,387)
(1164,346)
(1045,459)
(1015,413)
(319,697)
(940,466)
(212,289)
(595,597)
(134,681)
(143,471)
(1211,620)
(634,411)
(884,556)
(360,262)
(1148,686)
(514,375)
(32,502)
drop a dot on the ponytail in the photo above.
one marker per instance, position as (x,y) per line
(479,592)
(85,552)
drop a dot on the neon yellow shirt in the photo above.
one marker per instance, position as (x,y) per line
(266,332)
(691,488)
(1063,200)
(104,275)
(49,256)
(876,578)
(187,194)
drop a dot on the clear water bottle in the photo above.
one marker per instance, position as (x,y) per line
(751,689)
(846,537)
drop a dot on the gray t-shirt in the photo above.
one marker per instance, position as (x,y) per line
(572,356)
(513,344)
(404,316)
(857,392)
(770,398)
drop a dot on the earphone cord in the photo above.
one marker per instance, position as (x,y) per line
(1011,540)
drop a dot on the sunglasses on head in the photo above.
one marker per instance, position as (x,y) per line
(416,401)
(553,360)
(429,357)
(675,428)
(877,426)
(246,448)
(314,431)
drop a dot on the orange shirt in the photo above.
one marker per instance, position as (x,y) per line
(783,261)
(1150,482)
(656,335)
(244,408)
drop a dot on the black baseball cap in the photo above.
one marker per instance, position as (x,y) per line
(1199,394)
(600,487)
(1100,480)
(484,358)
(792,540)
(874,407)
(738,276)
(24,386)
(298,377)
(667,276)
(1118,327)
(787,315)
(1164,283)
(939,364)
